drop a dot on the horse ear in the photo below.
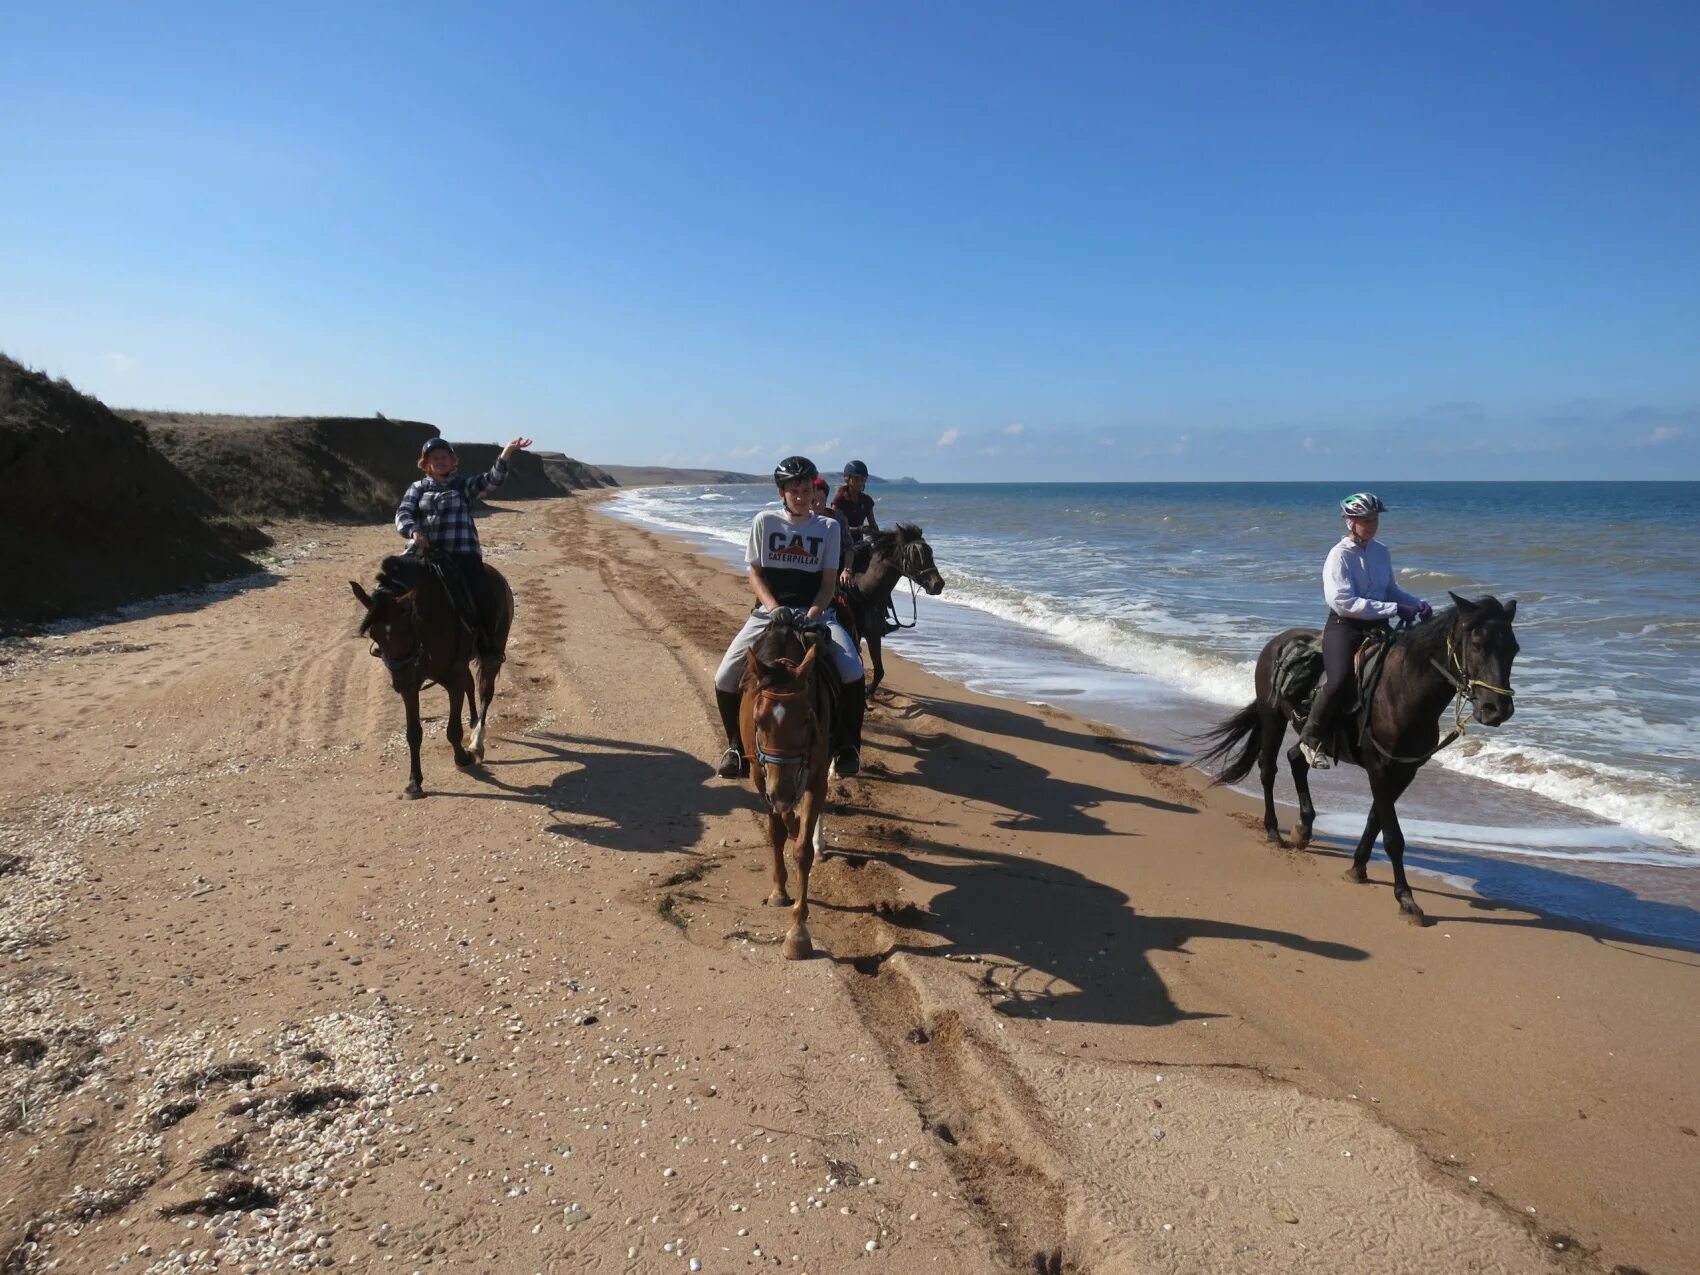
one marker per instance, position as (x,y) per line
(808,661)
(752,666)
(1465,607)
(365,599)
(1511,610)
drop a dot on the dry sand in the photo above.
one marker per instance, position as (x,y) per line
(259,1013)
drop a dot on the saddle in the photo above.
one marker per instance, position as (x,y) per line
(461,601)
(1298,672)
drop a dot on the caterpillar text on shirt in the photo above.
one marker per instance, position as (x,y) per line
(792,554)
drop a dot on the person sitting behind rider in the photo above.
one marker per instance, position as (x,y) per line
(818,495)
(855,504)
(1362,596)
(793,557)
(435,516)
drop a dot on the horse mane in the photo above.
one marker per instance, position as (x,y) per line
(402,573)
(1428,640)
(398,575)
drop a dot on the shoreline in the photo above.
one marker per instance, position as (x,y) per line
(1458,823)
(1068,1005)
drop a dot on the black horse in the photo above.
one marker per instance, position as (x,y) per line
(1463,651)
(880,562)
(411,621)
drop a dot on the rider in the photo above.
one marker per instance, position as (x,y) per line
(819,496)
(435,516)
(856,505)
(1362,595)
(793,556)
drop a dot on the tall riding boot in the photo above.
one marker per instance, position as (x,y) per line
(732,763)
(852,704)
(1316,725)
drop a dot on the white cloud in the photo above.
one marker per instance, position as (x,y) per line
(1663,434)
(824,449)
(1309,444)
(756,449)
(122,362)
(1013,430)
(949,437)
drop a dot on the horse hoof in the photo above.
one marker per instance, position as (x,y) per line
(1414,916)
(779,899)
(797,947)
(1301,840)
(1356,877)
(413,794)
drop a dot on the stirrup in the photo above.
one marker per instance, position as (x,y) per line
(848,762)
(1313,754)
(731,764)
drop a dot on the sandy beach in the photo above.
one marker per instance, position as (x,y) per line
(1069,1013)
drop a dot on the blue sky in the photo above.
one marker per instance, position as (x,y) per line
(959,241)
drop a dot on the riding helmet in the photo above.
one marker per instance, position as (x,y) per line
(855,469)
(433,444)
(792,468)
(1361,504)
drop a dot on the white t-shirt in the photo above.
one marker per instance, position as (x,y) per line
(792,554)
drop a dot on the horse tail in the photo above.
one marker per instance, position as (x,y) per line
(1246,725)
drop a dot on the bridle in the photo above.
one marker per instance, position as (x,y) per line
(768,758)
(401,664)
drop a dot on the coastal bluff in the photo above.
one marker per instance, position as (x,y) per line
(112,506)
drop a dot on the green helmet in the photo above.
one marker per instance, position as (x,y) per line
(1361,504)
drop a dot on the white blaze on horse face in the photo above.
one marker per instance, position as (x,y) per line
(778,716)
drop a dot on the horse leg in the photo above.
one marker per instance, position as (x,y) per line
(415,733)
(458,688)
(879,664)
(798,945)
(776,837)
(481,705)
(1301,783)
(1359,871)
(1270,730)
(1387,789)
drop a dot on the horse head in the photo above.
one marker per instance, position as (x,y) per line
(783,733)
(1481,649)
(392,624)
(914,557)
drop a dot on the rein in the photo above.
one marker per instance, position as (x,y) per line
(1459,679)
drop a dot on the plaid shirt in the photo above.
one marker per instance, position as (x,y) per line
(443,509)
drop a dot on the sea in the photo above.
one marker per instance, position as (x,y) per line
(1144,605)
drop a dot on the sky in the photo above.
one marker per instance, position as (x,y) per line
(976,241)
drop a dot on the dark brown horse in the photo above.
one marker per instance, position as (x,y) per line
(1462,653)
(787,718)
(414,629)
(883,560)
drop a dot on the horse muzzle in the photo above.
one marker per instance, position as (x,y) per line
(1494,710)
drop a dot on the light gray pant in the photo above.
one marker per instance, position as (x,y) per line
(844,656)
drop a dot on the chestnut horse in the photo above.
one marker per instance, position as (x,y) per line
(787,717)
(413,627)
(1463,651)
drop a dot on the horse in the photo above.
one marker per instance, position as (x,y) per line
(1464,651)
(413,627)
(786,718)
(881,561)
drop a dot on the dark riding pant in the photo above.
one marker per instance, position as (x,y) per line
(479,591)
(1341,638)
